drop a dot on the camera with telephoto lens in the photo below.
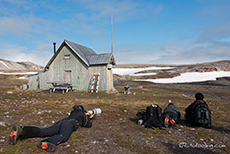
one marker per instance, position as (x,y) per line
(95,111)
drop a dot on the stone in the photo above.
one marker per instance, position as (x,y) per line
(3,124)
(9,92)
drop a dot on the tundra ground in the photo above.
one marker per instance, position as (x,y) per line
(115,130)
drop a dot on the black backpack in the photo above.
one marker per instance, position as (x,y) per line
(141,114)
(153,116)
(202,116)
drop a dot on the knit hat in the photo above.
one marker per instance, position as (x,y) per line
(78,107)
(170,104)
(199,96)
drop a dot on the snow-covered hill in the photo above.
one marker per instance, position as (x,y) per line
(10,66)
(173,73)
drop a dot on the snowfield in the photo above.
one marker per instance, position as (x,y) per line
(183,78)
(191,77)
(133,71)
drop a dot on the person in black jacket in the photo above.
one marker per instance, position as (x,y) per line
(189,115)
(171,116)
(57,133)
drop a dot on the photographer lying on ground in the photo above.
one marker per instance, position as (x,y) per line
(58,133)
(171,116)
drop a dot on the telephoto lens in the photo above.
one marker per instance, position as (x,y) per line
(95,111)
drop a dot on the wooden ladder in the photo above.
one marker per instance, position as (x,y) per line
(95,83)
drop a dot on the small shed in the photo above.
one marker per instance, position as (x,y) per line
(76,64)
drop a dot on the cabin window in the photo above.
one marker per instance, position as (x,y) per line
(66,57)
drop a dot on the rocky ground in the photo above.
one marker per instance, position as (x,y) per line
(115,130)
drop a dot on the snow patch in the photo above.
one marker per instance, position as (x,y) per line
(4,64)
(191,77)
(23,77)
(132,71)
(19,73)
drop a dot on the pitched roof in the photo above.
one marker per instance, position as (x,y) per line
(87,55)
(97,59)
(80,50)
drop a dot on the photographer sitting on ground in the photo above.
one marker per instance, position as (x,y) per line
(171,116)
(57,133)
(198,113)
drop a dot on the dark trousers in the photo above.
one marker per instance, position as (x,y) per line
(58,133)
(189,118)
(171,115)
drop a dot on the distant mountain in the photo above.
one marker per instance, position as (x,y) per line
(223,65)
(8,66)
(30,65)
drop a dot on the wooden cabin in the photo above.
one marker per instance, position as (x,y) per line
(75,64)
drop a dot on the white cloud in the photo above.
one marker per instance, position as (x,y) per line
(23,25)
(147,53)
(18,54)
(133,57)
(79,25)
(123,11)
(173,54)
(208,42)
(213,33)
(198,53)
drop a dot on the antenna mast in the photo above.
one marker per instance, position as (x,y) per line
(112,34)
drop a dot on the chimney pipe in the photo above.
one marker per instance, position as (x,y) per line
(54,43)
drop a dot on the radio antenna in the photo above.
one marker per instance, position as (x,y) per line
(112,34)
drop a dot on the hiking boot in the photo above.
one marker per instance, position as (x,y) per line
(50,147)
(172,121)
(166,122)
(15,133)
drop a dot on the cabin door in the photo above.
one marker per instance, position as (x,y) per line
(109,79)
(67,77)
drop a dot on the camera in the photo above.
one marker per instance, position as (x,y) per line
(95,111)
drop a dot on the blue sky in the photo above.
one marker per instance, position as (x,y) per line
(144,31)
